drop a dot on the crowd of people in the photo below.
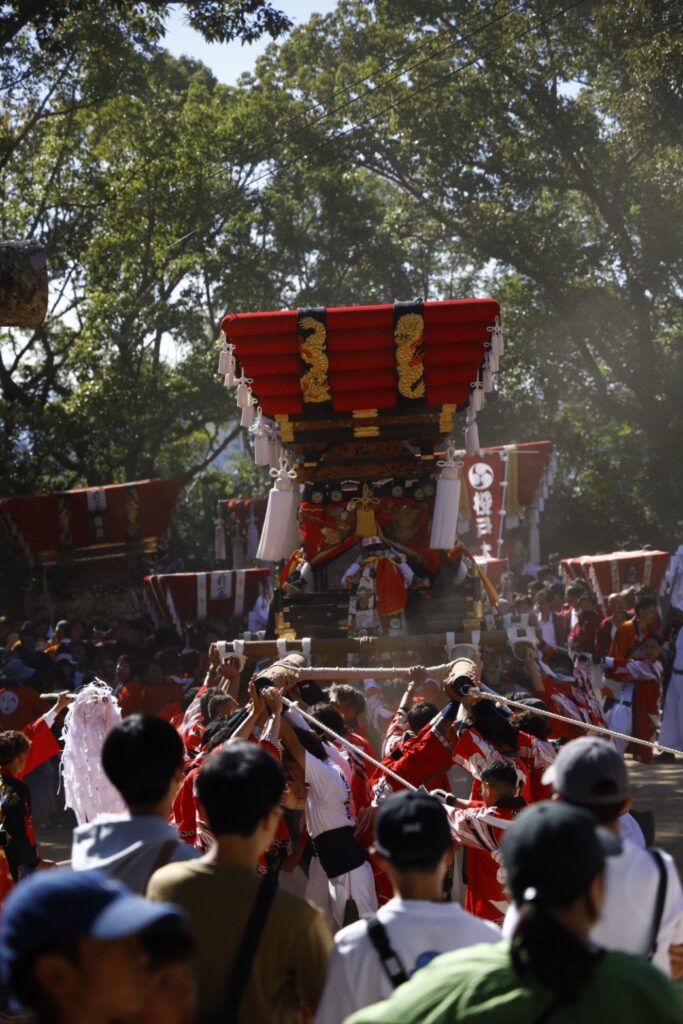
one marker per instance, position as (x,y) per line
(411,849)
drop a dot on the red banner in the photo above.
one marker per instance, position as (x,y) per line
(485,478)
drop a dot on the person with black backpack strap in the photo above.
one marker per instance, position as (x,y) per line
(549,972)
(261,953)
(643,911)
(372,957)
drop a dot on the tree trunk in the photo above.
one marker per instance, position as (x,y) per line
(23,284)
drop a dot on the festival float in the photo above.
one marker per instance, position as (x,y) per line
(610,573)
(88,548)
(356,410)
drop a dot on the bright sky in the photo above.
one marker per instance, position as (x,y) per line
(229,61)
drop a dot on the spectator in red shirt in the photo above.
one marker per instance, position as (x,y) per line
(582,635)
(616,606)
(19,703)
(350,703)
(151,697)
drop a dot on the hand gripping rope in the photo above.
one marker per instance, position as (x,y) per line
(440,672)
(349,746)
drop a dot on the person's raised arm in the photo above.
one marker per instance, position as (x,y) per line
(273,699)
(532,668)
(257,709)
(292,743)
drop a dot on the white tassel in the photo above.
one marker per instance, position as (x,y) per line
(226,364)
(447,502)
(262,450)
(248,413)
(494,360)
(252,537)
(260,431)
(243,396)
(238,551)
(280,536)
(477,396)
(487,379)
(497,339)
(472,435)
(219,536)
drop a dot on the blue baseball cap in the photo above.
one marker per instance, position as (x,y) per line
(14,671)
(62,903)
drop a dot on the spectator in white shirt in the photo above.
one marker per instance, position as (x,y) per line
(372,957)
(340,879)
(546,617)
(590,773)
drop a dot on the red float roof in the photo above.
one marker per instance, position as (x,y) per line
(44,525)
(361,352)
(616,571)
(188,597)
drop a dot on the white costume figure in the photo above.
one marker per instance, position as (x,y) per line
(258,615)
(88,722)
(379,582)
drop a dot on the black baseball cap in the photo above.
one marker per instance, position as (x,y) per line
(412,829)
(590,772)
(552,851)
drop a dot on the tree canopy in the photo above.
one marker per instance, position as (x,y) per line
(540,150)
(390,149)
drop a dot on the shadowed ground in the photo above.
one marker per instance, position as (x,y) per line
(656,787)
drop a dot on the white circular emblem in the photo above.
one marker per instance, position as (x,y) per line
(480,476)
(9,702)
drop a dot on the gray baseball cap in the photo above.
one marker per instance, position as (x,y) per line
(590,772)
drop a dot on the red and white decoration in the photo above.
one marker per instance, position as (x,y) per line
(486,480)
(608,574)
(188,597)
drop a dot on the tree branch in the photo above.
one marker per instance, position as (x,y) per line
(193,471)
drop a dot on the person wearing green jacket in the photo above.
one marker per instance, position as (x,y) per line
(549,973)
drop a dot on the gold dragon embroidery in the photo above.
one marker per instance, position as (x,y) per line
(408,334)
(312,339)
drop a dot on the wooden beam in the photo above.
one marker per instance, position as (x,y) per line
(255,649)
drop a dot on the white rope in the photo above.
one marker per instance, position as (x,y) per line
(496,698)
(441,671)
(435,672)
(603,730)
(350,746)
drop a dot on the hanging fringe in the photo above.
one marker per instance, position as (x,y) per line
(472,434)
(477,396)
(238,550)
(497,339)
(219,536)
(243,396)
(248,413)
(366,524)
(260,432)
(447,502)
(226,364)
(252,537)
(280,534)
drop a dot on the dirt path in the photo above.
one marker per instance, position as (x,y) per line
(659,788)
